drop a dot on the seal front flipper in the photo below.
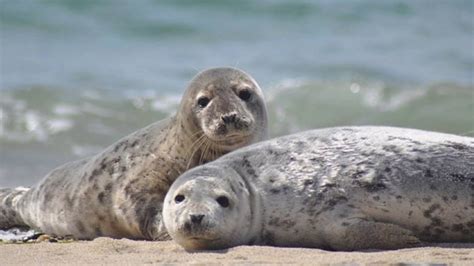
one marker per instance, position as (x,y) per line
(153,227)
(359,234)
(9,217)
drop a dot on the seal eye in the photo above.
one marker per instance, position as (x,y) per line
(203,102)
(178,198)
(244,95)
(223,201)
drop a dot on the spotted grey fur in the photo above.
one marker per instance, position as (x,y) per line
(119,192)
(346,188)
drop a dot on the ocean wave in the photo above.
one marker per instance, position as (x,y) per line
(16,234)
(66,124)
(39,114)
(296,105)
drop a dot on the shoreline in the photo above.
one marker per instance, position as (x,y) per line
(106,250)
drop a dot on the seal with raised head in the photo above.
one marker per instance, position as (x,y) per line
(348,188)
(119,192)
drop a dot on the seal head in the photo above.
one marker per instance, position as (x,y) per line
(216,215)
(225,107)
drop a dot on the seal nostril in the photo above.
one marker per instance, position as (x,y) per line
(229,118)
(196,218)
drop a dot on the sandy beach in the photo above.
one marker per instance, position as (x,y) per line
(127,252)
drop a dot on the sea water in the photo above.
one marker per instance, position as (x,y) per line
(75,76)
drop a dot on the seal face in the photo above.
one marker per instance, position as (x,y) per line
(120,192)
(211,212)
(227,108)
(348,188)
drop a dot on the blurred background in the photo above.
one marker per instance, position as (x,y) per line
(75,76)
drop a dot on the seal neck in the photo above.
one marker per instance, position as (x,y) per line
(194,145)
(255,230)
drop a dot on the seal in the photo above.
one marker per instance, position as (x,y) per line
(120,191)
(349,188)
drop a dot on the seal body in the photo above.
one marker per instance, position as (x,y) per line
(120,192)
(347,188)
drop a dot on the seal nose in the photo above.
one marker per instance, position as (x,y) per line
(229,118)
(196,218)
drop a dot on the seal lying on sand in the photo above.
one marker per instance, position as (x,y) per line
(120,192)
(347,188)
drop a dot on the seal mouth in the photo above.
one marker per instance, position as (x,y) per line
(232,139)
(195,238)
(227,146)
(203,236)
(200,243)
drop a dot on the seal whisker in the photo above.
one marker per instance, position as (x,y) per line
(195,134)
(216,150)
(196,141)
(194,148)
(212,151)
(204,152)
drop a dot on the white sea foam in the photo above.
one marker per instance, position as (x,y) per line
(354,88)
(34,125)
(166,104)
(65,110)
(139,102)
(59,125)
(284,85)
(85,150)
(15,234)
(375,97)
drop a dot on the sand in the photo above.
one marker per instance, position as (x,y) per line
(127,252)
